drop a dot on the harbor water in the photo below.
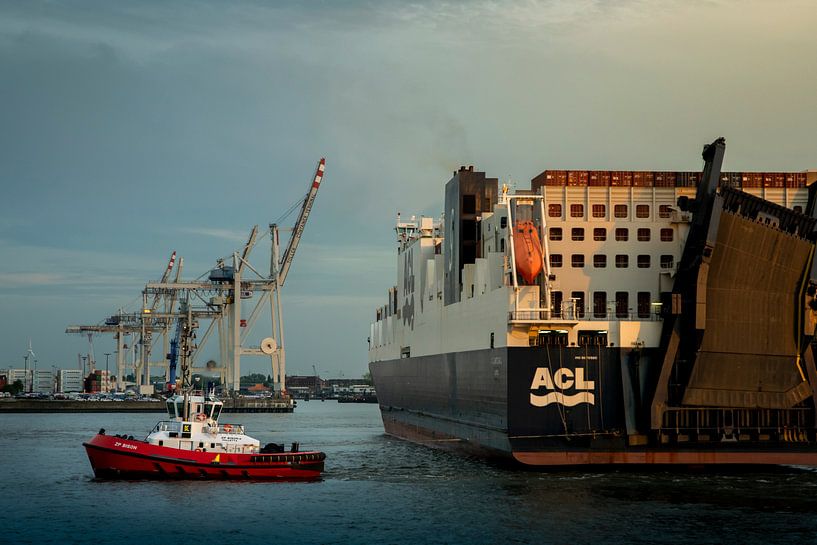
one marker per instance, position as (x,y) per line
(377,489)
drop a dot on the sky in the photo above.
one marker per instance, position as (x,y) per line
(132,129)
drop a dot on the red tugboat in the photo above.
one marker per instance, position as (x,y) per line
(193,445)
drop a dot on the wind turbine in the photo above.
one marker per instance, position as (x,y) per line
(30,352)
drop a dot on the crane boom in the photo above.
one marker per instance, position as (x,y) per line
(165,276)
(298,230)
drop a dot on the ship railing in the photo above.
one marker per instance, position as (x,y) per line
(569,315)
(718,422)
(229,429)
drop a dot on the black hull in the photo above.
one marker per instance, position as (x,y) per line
(500,403)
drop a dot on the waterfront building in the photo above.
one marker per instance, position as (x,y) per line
(69,380)
(42,381)
(13,375)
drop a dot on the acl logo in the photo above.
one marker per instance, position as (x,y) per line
(562,379)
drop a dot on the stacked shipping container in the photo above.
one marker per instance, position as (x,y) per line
(648,178)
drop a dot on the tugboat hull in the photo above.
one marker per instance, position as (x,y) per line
(114,457)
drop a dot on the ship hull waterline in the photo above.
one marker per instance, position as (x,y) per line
(502,423)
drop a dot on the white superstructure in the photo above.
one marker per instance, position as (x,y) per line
(611,256)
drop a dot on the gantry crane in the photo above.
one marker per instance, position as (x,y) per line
(220,297)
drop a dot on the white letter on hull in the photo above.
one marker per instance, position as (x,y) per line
(541,378)
(581,384)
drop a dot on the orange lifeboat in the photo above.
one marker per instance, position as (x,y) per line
(528,251)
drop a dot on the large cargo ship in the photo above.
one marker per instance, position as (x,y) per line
(605,317)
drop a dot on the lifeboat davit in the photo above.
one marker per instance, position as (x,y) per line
(527,250)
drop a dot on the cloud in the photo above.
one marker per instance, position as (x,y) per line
(232,235)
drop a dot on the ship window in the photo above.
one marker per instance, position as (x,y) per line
(642,210)
(667,261)
(622,234)
(664,211)
(643,261)
(469,204)
(171,409)
(577,261)
(622,261)
(600,304)
(556,260)
(643,304)
(555,210)
(212,445)
(599,210)
(576,210)
(667,234)
(622,304)
(600,234)
(503,222)
(179,408)
(620,210)
(161,443)
(555,233)
(577,233)
(216,411)
(578,300)
(798,209)
(556,303)
(643,235)
(599,261)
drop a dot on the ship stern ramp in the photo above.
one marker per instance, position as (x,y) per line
(748,357)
